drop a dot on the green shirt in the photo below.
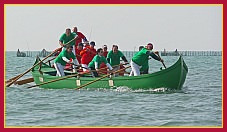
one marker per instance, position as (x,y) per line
(65,39)
(114,57)
(141,58)
(64,53)
(98,59)
(145,65)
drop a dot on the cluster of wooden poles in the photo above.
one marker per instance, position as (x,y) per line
(28,80)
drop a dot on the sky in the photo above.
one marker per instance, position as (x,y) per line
(170,27)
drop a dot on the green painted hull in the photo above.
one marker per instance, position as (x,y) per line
(172,77)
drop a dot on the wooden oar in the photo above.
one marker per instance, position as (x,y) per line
(100,78)
(55,80)
(8,81)
(104,68)
(50,59)
(14,80)
(21,82)
(65,77)
(161,61)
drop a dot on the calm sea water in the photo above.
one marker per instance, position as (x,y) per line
(199,103)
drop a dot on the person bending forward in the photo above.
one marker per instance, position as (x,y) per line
(63,58)
(141,58)
(94,65)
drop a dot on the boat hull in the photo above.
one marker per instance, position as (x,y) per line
(172,78)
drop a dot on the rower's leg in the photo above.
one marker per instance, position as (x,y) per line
(85,67)
(60,69)
(135,68)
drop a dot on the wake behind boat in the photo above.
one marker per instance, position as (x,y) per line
(172,78)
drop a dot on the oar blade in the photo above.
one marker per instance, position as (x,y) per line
(11,79)
(25,81)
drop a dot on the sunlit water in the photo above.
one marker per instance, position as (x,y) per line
(199,103)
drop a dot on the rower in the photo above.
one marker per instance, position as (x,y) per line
(103,67)
(87,54)
(63,58)
(79,48)
(94,65)
(67,37)
(141,59)
(145,67)
(113,57)
(80,36)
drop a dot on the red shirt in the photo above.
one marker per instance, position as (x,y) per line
(103,68)
(87,56)
(105,53)
(123,71)
(78,56)
(79,39)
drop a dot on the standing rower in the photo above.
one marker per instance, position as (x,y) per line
(80,36)
(68,37)
(141,59)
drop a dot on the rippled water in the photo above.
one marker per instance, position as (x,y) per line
(199,103)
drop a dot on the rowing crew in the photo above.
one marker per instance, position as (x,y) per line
(138,62)
(64,57)
(91,59)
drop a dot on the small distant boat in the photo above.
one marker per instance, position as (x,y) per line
(172,78)
(44,53)
(20,54)
(170,53)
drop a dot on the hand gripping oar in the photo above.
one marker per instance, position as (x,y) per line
(101,78)
(161,61)
(18,77)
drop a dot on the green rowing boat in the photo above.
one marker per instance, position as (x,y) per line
(172,78)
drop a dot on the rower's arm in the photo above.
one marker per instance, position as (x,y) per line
(61,43)
(108,60)
(109,66)
(75,61)
(124,59)
(96,65)
(65,59)
(152,54)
